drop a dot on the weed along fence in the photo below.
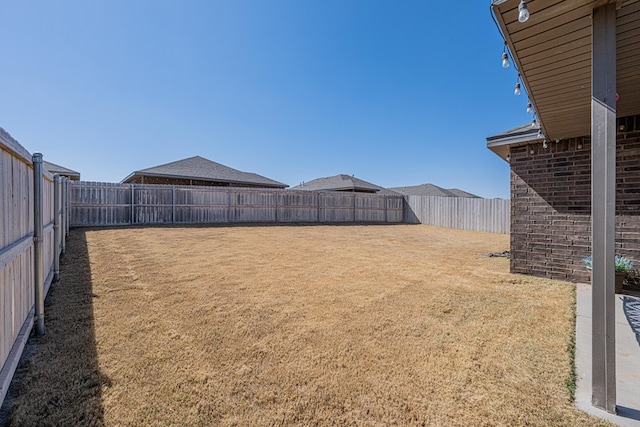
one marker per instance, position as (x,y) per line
(33,226)
(105,204)
(465,213)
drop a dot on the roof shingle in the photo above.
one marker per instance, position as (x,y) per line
(204,169)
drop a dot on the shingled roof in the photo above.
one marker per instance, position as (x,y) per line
(431,190)
(61,170)
(203,170)
(502,142)
(342,182)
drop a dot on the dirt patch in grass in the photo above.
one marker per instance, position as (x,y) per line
(322,325)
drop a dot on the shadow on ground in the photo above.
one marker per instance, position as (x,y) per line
(59,371)
(631,308)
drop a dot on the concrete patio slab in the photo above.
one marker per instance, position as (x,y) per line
(627,358)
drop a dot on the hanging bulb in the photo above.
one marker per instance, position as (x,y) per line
(516,91)
(509,158)
(529,108)
(539,133)
(544,144)
(505,60)
(534,122)
(523,12)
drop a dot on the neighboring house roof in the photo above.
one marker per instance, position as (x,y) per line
(206,170)
(501,142)
(61,170)
(342,183)
(431,190)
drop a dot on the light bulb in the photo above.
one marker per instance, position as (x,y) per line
(505,60)
(534,122)
(544,144)
(508,157)
(529,108)
(516,91)
(523,12)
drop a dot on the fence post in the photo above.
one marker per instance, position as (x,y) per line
(229,204)
(318,194)
(38,232)
(57,239)
(386,209)
(131,214)
(173,204)
(64,200)
(67,209)
(354,206)
(276,193)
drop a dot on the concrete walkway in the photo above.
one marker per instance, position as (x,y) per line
(627,357)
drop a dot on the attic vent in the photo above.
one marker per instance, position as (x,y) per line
(628,124)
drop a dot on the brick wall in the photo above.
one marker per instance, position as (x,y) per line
(551,206)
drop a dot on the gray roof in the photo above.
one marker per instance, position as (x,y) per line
(521,135)
(342,182)
(204,169)
(431,190)
(60,170)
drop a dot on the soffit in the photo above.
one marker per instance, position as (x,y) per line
(552,52)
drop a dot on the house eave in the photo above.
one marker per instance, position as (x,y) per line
(501,144)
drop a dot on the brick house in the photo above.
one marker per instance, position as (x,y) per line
(579,65)
(551,199)
(200,171)
(344,183)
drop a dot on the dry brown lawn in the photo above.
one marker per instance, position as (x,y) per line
(317,325)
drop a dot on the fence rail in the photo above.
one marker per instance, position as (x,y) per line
(106,204)
(465,213)
(31,225)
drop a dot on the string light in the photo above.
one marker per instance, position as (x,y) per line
(516,90)
(505,60)
(534,122)
(523,12)
(544,144)
(529,108)
(505,56)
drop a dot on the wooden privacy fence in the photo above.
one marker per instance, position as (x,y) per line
(465,213)
(33,226)
(106,204)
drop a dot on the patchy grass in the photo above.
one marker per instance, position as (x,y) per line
(319,325)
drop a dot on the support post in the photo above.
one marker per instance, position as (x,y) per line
(38,233)
(603,206)
(57,231)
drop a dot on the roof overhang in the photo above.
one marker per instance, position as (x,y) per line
(552,51)
(502,143)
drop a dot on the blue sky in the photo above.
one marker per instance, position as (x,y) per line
(395,93)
